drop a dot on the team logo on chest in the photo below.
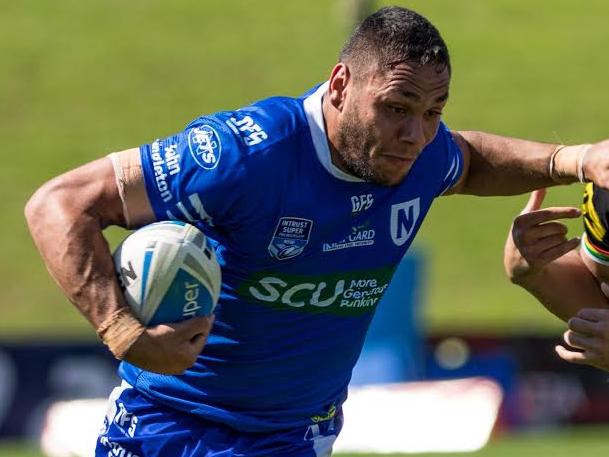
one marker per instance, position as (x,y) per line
(404,217)
(290,238)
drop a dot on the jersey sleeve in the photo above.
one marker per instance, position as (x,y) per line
(595,209)
(452,160)
(194,176)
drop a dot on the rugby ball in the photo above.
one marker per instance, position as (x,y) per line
(168,272)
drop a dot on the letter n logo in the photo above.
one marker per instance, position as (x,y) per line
(404,217)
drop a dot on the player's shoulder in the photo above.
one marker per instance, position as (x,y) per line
(442,149)
(257,128)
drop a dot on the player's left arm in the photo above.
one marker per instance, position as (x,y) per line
(498,165)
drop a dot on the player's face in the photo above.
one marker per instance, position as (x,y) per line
(388,118)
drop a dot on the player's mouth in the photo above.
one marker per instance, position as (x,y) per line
(399,159)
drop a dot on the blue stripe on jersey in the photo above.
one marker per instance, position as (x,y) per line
(145,271)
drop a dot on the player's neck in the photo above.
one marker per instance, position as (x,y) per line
(329,113)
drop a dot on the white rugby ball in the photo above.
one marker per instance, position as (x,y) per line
(168,272)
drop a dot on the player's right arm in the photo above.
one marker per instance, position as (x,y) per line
(66,217)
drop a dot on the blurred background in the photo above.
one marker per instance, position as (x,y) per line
(81,79)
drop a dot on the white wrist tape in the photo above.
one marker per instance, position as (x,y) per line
(567,162)
(119,331)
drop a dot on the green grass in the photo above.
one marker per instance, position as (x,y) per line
(589,441)
(13,449)
(81,79)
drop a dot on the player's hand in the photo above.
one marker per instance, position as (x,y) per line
(587,340)
(596,164)
(536,238)
(170,348)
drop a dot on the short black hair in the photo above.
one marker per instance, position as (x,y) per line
(395,35)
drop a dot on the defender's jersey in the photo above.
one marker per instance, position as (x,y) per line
(306,253)
(595,211)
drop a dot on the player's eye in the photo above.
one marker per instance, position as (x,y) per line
(433,114)
(397,109)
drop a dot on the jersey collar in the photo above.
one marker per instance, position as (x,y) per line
(315,118)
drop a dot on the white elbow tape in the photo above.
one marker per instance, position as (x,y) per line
(120,184)
(131,187)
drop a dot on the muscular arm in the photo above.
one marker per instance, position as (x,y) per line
(565,286)
(66,217)
(497,165)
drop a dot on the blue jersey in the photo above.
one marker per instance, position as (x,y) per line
(306,252)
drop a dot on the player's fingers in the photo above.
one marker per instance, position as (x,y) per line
(582,358)
(594,314)
(189,350)
(199,339)
(198,342)
(580,341)
(558,251)
(547,214)
(194,326)
(544,230)
(535,201)
(584,326)
(545,244)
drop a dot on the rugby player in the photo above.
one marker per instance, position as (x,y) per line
(311,203)
(572,284)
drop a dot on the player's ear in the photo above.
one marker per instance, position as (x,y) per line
(339,80)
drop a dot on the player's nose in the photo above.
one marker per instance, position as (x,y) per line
(411,131)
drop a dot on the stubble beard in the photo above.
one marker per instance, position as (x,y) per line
(354,145)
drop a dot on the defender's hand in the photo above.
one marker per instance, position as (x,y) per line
(596,164)
(535,238)
(587,339)
(170,348)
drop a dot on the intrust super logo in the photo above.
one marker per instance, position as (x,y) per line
(290,238)
(205,146)
(352,293)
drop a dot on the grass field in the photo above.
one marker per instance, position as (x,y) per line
(589,441)
(82,79)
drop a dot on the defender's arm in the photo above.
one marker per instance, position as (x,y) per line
(569,285)
(539,258)
(565,286)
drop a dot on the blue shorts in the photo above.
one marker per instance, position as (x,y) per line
(135,426)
